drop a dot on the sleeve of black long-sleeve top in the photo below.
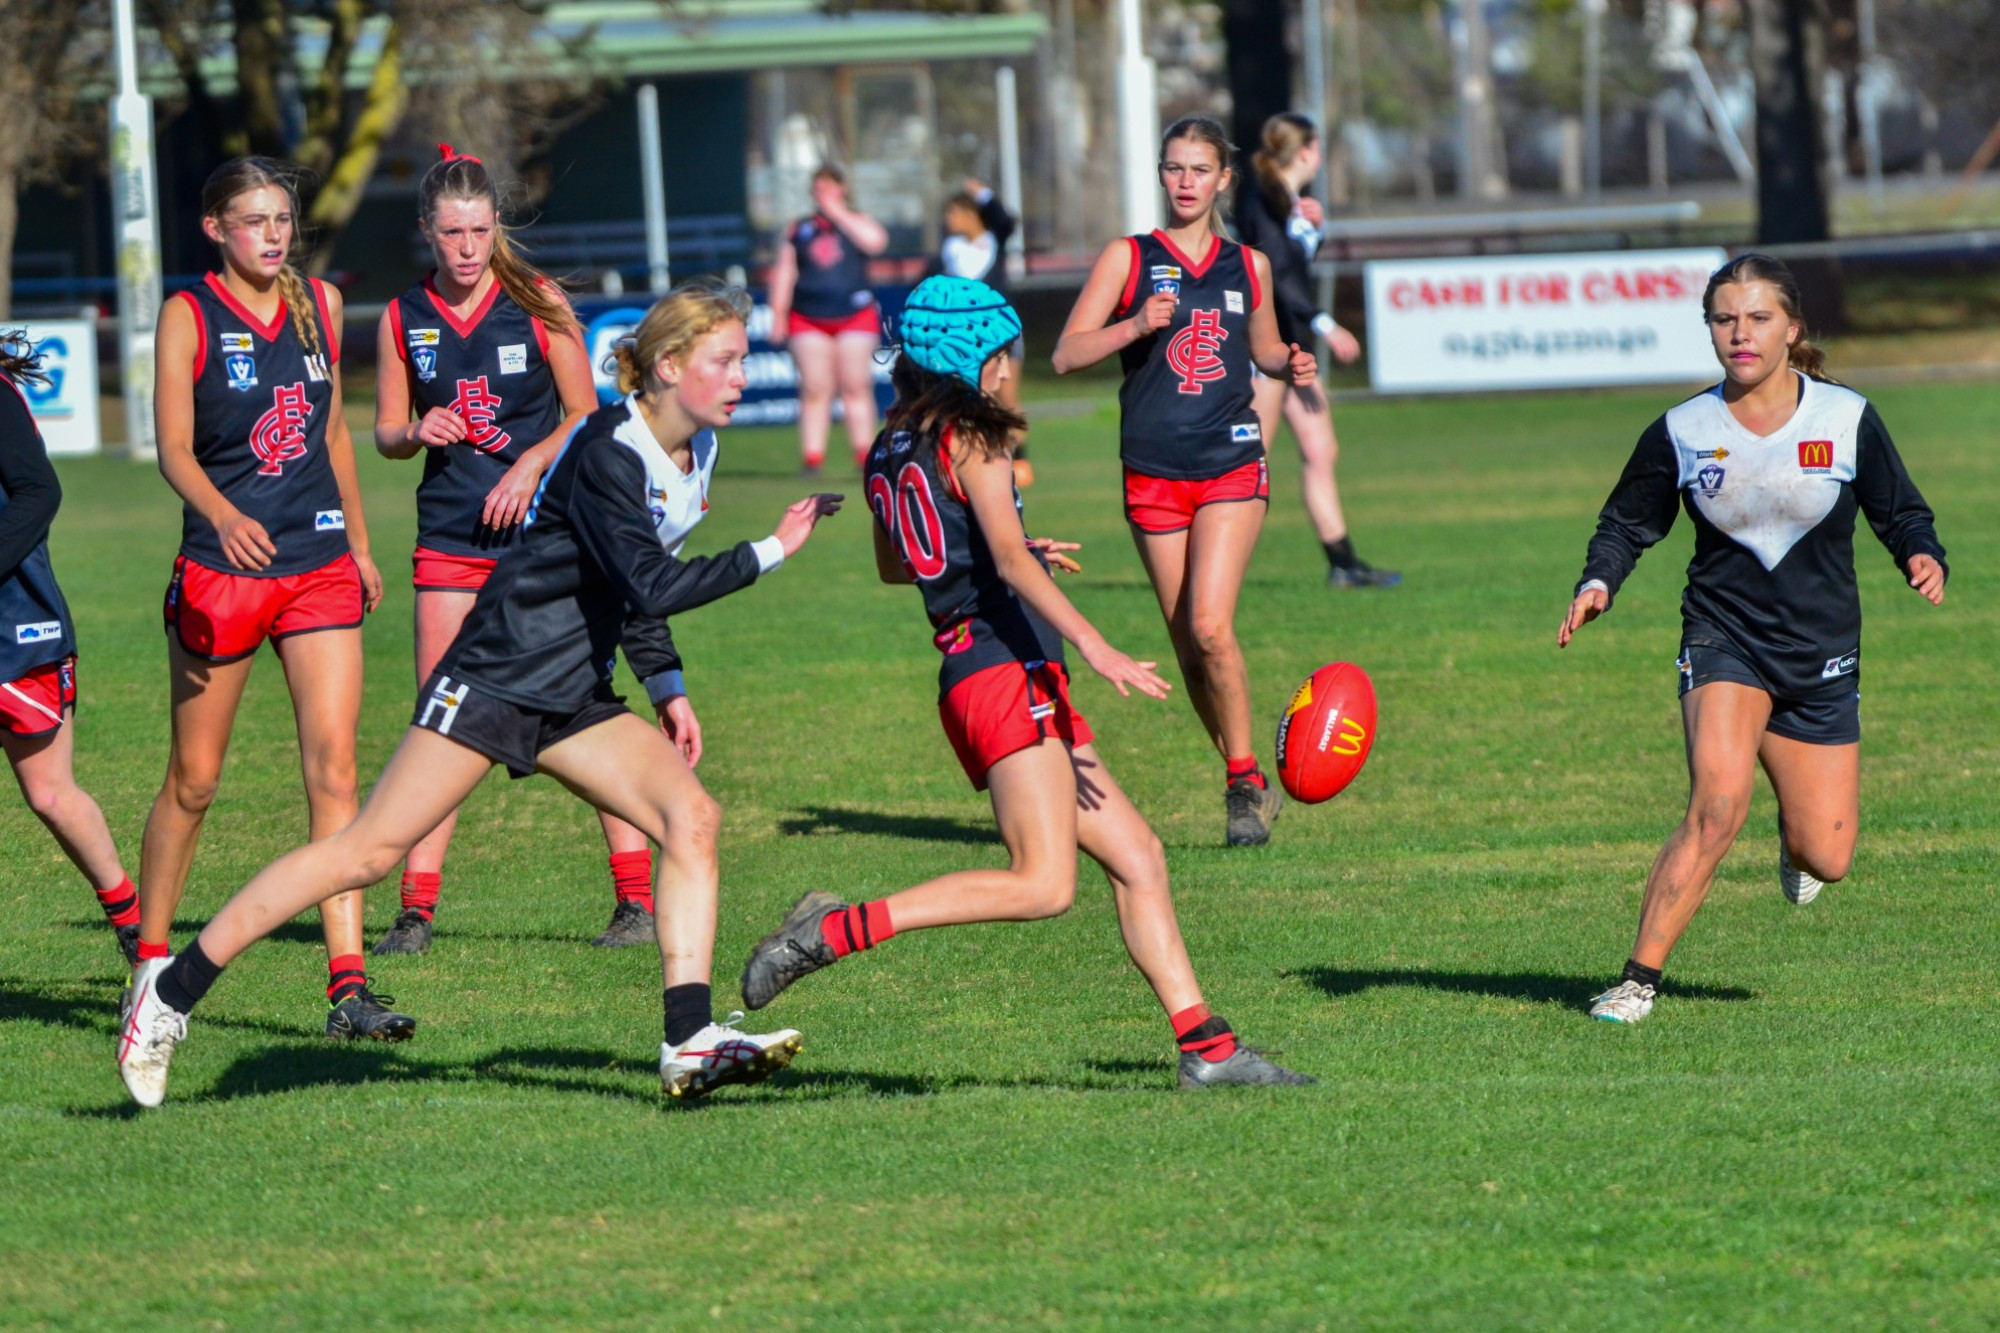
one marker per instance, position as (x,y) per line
(996,218)
(1890,500)
(649,650)
(1639,513)
(33,493)
(608,512)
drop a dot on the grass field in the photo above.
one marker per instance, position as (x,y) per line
(982,1129)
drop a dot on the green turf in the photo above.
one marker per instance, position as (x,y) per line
(982,1128)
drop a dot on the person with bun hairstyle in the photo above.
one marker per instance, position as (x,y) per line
(527,684)
(481,368)
(1772,466)
(948,519)
(1276,216)
(1189,313)
(38,652)
(274,547)
(824,311)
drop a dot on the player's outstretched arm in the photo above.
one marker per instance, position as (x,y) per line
(1591,602)
(1085,338)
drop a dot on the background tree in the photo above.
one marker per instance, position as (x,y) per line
(47,53)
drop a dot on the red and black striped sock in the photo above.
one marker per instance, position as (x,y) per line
(420,892)
(346,974)
(1246,767)
(120,903)
(632,877)
(862,926)
(1202,1033)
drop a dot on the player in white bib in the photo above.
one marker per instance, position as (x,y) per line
(1772,465)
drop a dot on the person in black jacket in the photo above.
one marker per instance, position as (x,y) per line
(527,684)
(1274,215)
(1772,465)
(38,652)
(977,227)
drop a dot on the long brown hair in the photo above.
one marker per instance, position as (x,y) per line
(1284,137)
(928,403)
(1805,356)
(454,176)
(240,175)
(19,361)
(677,321)
(1201,129)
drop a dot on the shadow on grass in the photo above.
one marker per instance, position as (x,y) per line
(1534,987)
(817,820)
(94,1008)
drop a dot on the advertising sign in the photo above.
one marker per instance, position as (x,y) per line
(1539,321)
(772,397)
(65,409)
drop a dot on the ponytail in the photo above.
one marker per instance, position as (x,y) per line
(456,176)
(240,175)
(1804,355)
(1285,135)
(19,360)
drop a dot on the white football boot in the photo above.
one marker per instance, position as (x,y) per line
(719,1055)
(1800,888)
(1627,1002)
(147,1038)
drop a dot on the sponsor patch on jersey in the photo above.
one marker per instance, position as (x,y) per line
(316,368)
(1709,481)
(421,337)
(424,360)
(239,342)
(1244,432)
(1164,272)
(1816,456)
(39,632)
(1233,301)
(513,358)
(241,369)
(1839,666)
(1717,454)
(330,520)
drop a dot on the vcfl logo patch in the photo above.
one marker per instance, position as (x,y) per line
(476,406)
(279,435)
(1192,351)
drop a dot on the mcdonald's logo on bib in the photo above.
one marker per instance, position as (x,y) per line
(1815,455)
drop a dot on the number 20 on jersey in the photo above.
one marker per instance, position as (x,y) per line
(908,512)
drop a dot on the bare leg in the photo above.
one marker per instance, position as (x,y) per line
(1165,557)
(43,765)
(324,672)
(1116,836)
(205,695)
(1724,723)
(439,616)
(1219,548)
(1819,802)
(855,369)
(1311,420)
(812,352)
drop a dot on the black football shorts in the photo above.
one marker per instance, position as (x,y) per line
(1829,717)
(504,732)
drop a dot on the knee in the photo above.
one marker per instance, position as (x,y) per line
(368,864)
(694,828)
(331,776)
(1050,892)
(1716,817)
(192,790)
(1828,864)
(1213,638)
(49,799)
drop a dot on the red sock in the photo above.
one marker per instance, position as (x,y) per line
(1246,767)
(1201,1032)
(632,877)
(120,903)
(420,892)
(148,952)
(862,926)
(346,974)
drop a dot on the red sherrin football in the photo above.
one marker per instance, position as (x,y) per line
(1326,732)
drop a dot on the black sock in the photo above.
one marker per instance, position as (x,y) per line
(688,1011)
(1340,554)
(1639,972)
(187,978)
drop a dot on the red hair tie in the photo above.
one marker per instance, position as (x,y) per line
(448,154)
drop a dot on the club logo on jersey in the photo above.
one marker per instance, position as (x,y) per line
(1245,432)
(824,249)
(1816,456)
(280,434)
(477,405)
(241,368)
(1233,301)
(38,632)
(657,506)
(1192,353)
(1839,666)
(424,360)
(239,342)
(330,520)
(1709,481)
(1166,279)
(513,358)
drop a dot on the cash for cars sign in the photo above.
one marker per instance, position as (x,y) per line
(1539,321)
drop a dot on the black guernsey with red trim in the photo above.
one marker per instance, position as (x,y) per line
(1185,409)
(261,410)
(35,625)
(977,621)
(492,370)
(833,273)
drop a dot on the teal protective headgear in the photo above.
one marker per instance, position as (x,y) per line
(950,326)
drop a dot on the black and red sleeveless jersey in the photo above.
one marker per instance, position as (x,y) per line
(1185,406)
(492,369)
(976,619)
(833,274)
(261,407)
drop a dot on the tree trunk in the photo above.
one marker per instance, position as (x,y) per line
(1788,62)
(10,218)
(262,51)
(333,207)
(1260,69)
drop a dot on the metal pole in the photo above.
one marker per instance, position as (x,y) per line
(1139,123)
(653,182)
(1867,104)
(135,208)
(1009,109)
(1312,35)
(1593,113)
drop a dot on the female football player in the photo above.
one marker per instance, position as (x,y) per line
(1189,313)
(38,651)
(487,357)
(976,228)
(273,547)
(1771,465)
(948,518)
(1276,217)
(824,311)
(527,684)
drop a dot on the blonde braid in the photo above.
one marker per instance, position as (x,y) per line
(299,299)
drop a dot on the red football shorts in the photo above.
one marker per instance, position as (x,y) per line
(1160,504)
(438,572)
(866,320)
(992,713)
(223,617)
(36,704)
